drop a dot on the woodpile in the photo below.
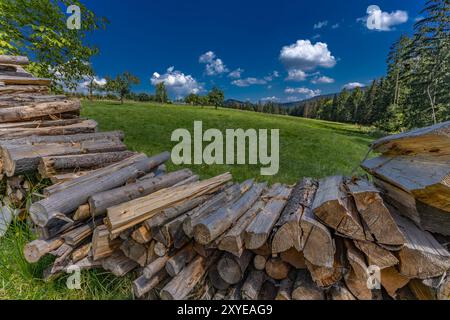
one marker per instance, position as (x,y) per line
(181,237)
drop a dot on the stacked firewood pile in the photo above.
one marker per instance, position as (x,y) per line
(185,238)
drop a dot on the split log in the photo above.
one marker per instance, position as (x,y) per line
(376,255)
(177,262)
(424,177)
(259,262)
(83,212)
(429,140)
(425,216)
(142,235)
(305,289)
(232,268)
(392,280)
(112,176)
(119,264)
(183,283)
(287,233)
(212,226)
(317,244)
(268,291)
(277,269)
(285,290)
(357,279)
(69,163)
(252,285)
(101,201)
(15,100)
(259,229)
(131,213)
(142,285)
(77,235)
(135,251)
(375,214)
(14,60)
(155,266)
(37,110)
(340,292)
(36,249)
(430,289)
(233,240)
(294,258)
(215,203)
(422,256)
(334,208)
(81,253)
(102,245)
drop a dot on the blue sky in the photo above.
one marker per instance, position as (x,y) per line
(286,50)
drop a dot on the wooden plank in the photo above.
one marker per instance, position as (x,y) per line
(17,60)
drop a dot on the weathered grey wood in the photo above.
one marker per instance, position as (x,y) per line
(119,264)
(135,251)
(252,285)
(232,268)
(210,206)
(71,198)
(268,291)
(142,235)
(25,159)
(14,60)
(180,259)
(155,266)
(101,201)
(38,110)
(336,209)
(375,214)
(36,249)
(212,226)
(285,290)
(424,177)
(305,289)
(129,214)
(183,283)
(142,285)
(52,165)
(287,231)
(434,139)
(258,231)
(77,235)
(233,240)
(277,269)
(422,256)
(7,215)
(14,100)
(21,89)
(216,280)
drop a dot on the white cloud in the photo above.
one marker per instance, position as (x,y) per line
(309,93)
(304,55)
(317,36)
(269,99)
(271,76)
(322,80)
(177,83)
(379,20)
(248,82)
(236,74)
(292,98)
(353,85)
(335,26)
(296,75)
(214,65)
(320,24)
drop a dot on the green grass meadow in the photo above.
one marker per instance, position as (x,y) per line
(308,148)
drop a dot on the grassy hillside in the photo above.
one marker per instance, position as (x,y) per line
(307,148)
